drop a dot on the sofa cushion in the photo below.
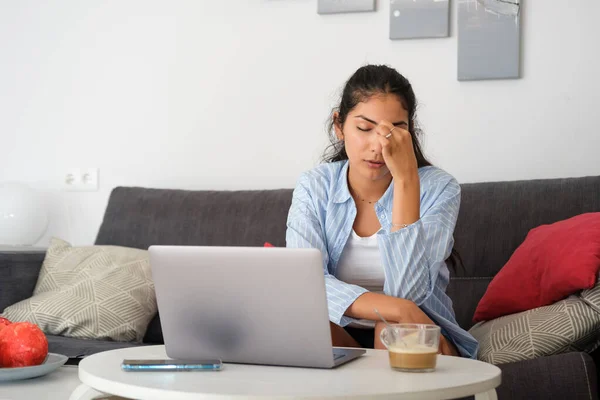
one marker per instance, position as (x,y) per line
(567,325)
(462,291)
(92,292)
(139,217)
(553,262)
(19,271)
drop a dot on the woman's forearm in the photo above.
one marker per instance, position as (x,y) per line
(407,203)
(389,307)
(393,309)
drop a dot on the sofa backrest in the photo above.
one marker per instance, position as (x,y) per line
(493,221)
(139,217)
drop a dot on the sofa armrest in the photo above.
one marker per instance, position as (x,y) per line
(19,272)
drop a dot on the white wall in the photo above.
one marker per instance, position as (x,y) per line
(235,94)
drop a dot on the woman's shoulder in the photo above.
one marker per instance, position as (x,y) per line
(435,181)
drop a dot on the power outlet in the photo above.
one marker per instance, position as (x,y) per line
(344,6)
(81,180)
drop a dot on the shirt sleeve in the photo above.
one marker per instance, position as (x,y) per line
(412,256)
(465,343)
(305,231)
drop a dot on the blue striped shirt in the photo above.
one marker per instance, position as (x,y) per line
(322,215)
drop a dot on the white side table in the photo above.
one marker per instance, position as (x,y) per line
(369,377)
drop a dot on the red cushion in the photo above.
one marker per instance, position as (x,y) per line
(553,262)
(267,244)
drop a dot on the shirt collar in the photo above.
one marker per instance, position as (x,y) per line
(342,193)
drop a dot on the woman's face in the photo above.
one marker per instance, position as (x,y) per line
(359,136)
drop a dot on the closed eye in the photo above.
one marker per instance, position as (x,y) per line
(363,130)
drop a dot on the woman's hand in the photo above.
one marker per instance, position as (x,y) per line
(410,313)
(398,151)
(395,311)
(447,348)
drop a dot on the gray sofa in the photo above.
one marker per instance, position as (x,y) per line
(494,219)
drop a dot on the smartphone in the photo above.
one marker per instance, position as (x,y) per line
(171,365)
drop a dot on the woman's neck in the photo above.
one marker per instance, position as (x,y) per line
(367,189)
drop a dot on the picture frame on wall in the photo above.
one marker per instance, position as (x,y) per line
(410,19)
(489,39)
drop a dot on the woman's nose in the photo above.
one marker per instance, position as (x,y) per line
(374,144)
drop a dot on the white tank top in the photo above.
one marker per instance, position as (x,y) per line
(360,264)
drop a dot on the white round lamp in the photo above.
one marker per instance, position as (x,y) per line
(23,215)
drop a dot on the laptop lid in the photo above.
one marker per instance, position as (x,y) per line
(243,304)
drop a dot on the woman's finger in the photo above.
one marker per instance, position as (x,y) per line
(385,130)
(442,347)
(447,348)
(402,135)
(385,145)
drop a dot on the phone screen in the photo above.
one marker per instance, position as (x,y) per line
(166,365)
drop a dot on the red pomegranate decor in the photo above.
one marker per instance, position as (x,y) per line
(4,322)
(22,344)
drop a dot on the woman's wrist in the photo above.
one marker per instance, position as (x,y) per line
(406,180)
(406,205)
(401,309)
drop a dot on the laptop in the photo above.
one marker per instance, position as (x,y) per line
(249,305)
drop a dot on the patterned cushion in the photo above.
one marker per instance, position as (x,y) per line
(567,325)
(94,292)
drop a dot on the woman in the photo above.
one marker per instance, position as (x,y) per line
(382,217)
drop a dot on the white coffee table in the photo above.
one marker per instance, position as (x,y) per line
(62,383)
(369,377)
(58,384)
